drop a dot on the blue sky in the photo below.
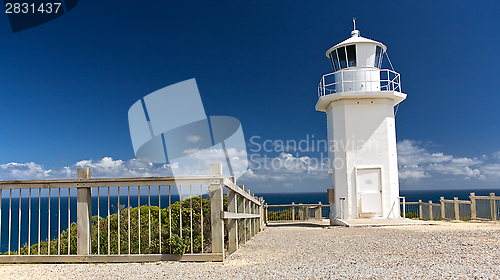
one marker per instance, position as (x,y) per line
(67,85)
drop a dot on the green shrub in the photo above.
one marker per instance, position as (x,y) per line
(175,239)
(411,215)
(282,215)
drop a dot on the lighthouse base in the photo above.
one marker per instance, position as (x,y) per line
(378,222)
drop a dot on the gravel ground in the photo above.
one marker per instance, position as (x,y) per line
(444,250)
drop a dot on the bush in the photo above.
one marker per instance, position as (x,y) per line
(176,240)
(411,215)
(282,215)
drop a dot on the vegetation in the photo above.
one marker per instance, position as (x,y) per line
(411,215)
(282,215)
(178,241)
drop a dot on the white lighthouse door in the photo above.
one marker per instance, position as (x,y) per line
(369,192)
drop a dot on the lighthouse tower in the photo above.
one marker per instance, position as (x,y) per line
(359,98)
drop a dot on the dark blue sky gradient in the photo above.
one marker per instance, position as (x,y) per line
(67,85)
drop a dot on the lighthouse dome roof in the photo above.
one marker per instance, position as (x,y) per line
(355,39)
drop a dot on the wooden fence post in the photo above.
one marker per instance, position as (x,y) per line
(242,222)
(493,207)
(443,212)
(232,224)
(252,224)
(318,212)
(256,225)
(216,206)
(83,213)
(301,212)
(420,212)
(473,206)
(261,212)
(248,222)
(404,206)
(457,208)
(257,220)
(293,211)
(265,214)
(254,220)
(431,217)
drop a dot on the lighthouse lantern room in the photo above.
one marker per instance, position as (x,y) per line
(359,99)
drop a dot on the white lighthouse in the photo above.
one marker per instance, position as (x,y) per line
(359,98)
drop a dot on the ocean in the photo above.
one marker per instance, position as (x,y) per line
(270,198)
(411,195)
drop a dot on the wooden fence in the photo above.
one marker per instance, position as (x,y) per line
(477,208)
(296,212)
(191,229)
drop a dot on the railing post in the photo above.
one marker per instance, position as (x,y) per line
(232,224)
(420,212)
(431,217)
(256,225)
(342,80)
(216,206)
(301,212)
(323,88)
(242,222)
(253,220)
(493,207)
(473,206)
(404,206)
(318,212)
(457,208)
(443,212)
(257,220)
(248,222)
(261,212)
(265,214)
(83,213)
(293,211)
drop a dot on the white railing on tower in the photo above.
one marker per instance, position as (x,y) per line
(389,81)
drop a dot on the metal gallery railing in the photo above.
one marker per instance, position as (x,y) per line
(124,219)
(343,81)
(477,208)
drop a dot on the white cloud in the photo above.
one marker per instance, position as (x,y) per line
(285,167)
(28,170)
(496,155)
(416,162)
(193,138)
(106,167)
(190,151)
(490,172)
(198,163)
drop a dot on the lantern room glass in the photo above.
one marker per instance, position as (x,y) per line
(378,56)
(334,60)
(342,57)
(351,55)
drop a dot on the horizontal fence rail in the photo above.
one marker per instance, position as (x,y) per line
(122,219)
(297,212)
(477,208)
(244,214)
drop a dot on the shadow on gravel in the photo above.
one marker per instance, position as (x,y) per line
(298,224)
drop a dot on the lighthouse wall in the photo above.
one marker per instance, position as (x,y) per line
(363,138)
